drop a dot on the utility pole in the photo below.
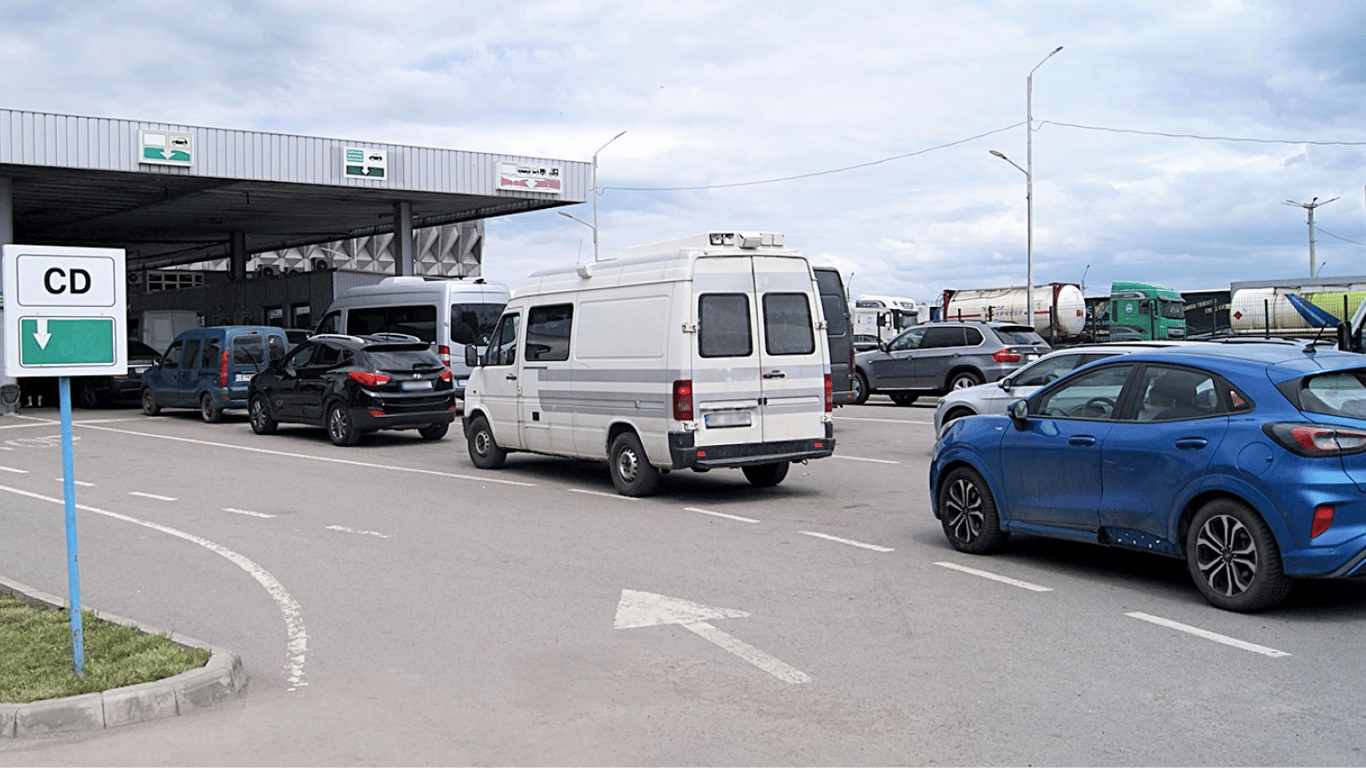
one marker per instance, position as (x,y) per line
(1310,206)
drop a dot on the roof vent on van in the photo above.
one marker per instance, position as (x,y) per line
(585,271)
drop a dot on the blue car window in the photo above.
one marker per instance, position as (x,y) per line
(1171,394)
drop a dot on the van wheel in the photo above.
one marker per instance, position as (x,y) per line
(434,431)
(859,383)
(259,413)
(211,413)
(86,394)
(766,475)
(150,406)
(340,429)
(484,450)
(632,472)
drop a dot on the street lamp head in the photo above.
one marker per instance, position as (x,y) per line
(998,154)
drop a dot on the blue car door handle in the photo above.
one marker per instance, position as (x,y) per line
(1081,440)
(1191,443)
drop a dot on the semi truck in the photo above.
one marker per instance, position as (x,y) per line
(1058,314)
(883,317)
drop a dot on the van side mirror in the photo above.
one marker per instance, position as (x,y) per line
(1019,413)
(473,359)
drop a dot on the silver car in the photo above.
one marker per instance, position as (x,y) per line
(935,358)
(993,398)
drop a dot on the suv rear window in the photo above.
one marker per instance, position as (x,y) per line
(1019,334)
(1341,393)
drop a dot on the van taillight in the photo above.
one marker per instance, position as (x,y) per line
(444,352)
(829,394)
(223,369)
(683,400)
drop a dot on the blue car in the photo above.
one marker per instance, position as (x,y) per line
(1246,459)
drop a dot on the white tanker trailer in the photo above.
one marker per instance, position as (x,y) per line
(1059,310)
(1293,311)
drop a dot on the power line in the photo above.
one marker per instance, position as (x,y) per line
(1204,138)
(1339,237)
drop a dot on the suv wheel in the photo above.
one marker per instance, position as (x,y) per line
(259,413)
(859,384)
(434,431)
(1233,558)
(87,396)
(964,379)
(968,514)
(341,430)
(902,398)
(150,406)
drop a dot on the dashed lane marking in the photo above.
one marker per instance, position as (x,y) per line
(721,514)
(1207,635)
(247,512)
(850,542)
(996,577)
(156,496)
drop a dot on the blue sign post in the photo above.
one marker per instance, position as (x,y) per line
(73,567)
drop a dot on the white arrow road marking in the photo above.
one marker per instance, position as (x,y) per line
(42,335)
(646,609)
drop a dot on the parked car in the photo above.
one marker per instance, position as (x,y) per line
(94,391)
(356,384)
(865,341)
(209,368)
(935,358)
(1247,459)
(994,397)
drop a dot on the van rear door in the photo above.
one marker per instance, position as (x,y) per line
(758,365)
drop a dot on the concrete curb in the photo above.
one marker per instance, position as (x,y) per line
(222,678)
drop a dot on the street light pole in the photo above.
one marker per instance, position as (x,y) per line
(1029,219)
(595,193)
(1310,206)
(1029,184)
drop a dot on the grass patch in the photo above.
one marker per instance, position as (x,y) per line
(36,661)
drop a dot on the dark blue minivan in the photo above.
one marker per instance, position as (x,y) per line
(209,368)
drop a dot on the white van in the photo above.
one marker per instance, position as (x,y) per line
(447,313)
(699,353)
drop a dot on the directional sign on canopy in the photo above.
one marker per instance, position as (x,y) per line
(65,311)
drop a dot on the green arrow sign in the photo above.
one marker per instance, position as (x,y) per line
(66,341)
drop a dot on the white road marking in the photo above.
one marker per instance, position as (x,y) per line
(859,458)
(483,478)
(15,471)
(995,577)
(602,493)
(645,609)
(158,497)
(297,647)
(247,512)
(81,483)
(885,421)
(721,514)
(1207,635)
(344,529)
(850,542)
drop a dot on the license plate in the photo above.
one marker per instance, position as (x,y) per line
(413,386)
(727,419)
(243,378)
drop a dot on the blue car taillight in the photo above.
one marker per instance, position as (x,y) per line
(1317,440)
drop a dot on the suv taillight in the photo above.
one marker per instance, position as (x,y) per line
(1317,440)
(1007,356)
(446,375)
(369,378)
(223,369)
(682,403)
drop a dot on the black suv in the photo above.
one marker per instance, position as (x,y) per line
(355,384)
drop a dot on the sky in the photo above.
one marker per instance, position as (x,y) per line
(1173,142)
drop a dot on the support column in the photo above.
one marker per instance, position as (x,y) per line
(237,256)
(9,388)
(403,238)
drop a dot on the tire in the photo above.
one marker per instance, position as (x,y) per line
(341,430)
(1234,559)
(968,514)
(484,450)
(766,475)
(87,396)
(258,410)
(434,431)
(859,384)
(964,379)
(903,399)
(210,413)
(150,406)
(632,472)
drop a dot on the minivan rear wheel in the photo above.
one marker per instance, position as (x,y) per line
(211,413)
(150,406)
(632,472)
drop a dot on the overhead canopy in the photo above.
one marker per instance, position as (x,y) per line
(173,195)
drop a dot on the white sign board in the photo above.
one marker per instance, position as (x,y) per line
(529,178)
(65,311)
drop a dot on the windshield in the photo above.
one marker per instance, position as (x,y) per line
(1173,309)
(472,323)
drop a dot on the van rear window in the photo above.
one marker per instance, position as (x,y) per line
(788,328)
(248,350)
(415,320)
(723,328)
(472,323)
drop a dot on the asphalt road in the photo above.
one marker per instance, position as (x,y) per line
(394,605)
